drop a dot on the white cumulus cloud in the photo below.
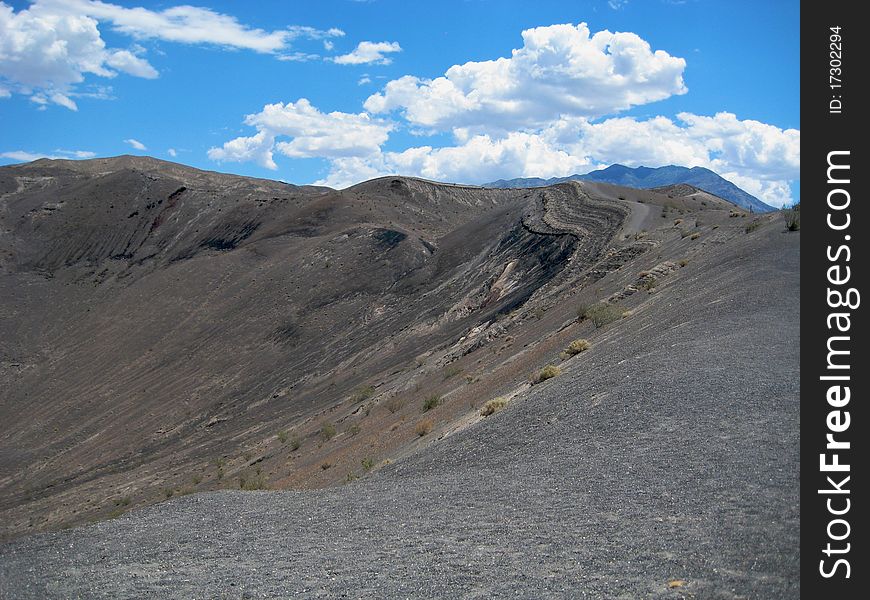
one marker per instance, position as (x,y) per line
(27,156)
(369,53)
(48,49)
(172,152)
(560,70)
(762,159)
(311,133)
(135,144)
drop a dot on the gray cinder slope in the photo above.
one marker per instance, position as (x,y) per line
(667,451)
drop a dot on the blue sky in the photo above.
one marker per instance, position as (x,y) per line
(338,91)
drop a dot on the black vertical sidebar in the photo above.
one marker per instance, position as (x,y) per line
(834,265)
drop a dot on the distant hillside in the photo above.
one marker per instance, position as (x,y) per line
(646,178)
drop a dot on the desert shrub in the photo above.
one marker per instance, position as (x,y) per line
(326,465)
(603,313)
(327,431)
(395,404)
(752,226)
(282,437)
(367,464)
(546,373)
(431,402)
(123,501)
(196,479)
(363,393)
(452,371)
(683,262)
(168,493)
(493,406)
(250,482)
(295,443)
(649,284)
(354,429)
(695,236)
(793,217)
(577,346)
(423,427)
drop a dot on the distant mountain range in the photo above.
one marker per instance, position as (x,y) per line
(646,177)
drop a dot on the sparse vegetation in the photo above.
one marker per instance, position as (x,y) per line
(493,406)
(327,431)
(431,402)
(325,465)
(354,430)
(123,501)
(793,217)
(395,404)
(546,373)
(168,493)
(423,427)
(196,479)
(649,283)
(367,464)
(363,393)
(695,236)
(282,437)
(683,262)
(452,371)
(295,443)
(252,482)
(753,226)
(603,313)
(577,346)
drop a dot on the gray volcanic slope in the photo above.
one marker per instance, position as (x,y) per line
(668,451)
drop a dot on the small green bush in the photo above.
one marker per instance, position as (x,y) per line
(295,443)
(363,393)
(327,431)
(431,402)
(367,464)
(282,437)
(452,371)
(793,218)
(250,482)
(752,226)
(603,313)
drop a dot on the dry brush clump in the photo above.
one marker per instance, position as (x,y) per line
(577,346)
(493,406)
(423,427)
(546,373)
(395,404)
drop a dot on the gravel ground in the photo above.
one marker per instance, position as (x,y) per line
(668,451)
